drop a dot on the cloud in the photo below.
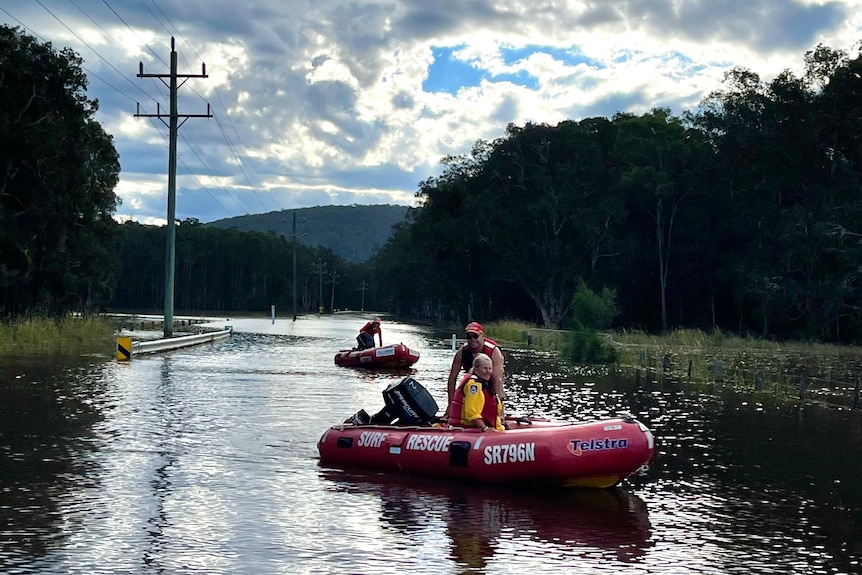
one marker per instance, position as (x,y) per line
(337,102)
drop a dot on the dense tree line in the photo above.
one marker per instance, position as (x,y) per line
(58,169)
(60,248)
(745,215)
(231,270)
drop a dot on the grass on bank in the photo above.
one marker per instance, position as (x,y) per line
(527,335)
(65,336)
(680,339)
(795,370)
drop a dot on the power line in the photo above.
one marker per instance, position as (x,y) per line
(174,32)
(120,18)
(204,188)
(241,163)
(186,140)
(193,175)
(212,173)
(89,72)
(172,176)
(39,2)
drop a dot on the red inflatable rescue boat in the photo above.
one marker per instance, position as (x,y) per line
(404,438)
(387,356)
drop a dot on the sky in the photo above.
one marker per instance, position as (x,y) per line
(339,102)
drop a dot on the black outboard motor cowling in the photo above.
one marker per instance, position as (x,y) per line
(361,417)
(407,403)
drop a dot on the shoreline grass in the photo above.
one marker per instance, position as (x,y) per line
(794,370)
(693,339)
(64,336)
(787,368)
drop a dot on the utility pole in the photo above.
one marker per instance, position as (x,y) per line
(332,297)
(294,265)
(320,267)
(173,126)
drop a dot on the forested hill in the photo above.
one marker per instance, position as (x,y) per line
(352,232)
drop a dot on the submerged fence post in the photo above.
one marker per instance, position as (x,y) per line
(856,395)
(718,370)
(803,385)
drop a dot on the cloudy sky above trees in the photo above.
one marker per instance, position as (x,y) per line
(355,102)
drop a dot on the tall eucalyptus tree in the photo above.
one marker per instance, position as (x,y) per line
(545,210)
(662,169)
(58,169)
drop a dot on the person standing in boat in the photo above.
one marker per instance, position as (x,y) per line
(365,339)
(477,344)
(474,403)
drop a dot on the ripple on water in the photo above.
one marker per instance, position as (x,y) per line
(204,460)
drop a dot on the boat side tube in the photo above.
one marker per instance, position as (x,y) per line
(594,454)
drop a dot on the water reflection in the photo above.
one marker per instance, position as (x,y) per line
(45,435)
(204,461)
(611,524)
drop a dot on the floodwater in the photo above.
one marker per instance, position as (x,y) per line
(204,460)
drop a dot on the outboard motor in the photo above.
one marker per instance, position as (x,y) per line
(407,403)
(361,417)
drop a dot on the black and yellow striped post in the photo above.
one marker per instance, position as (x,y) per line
(124,348)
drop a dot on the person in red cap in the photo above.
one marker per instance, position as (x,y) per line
(365,339)
(474,403)
(477,343)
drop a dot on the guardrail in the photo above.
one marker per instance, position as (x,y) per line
(125,351)
(177,342)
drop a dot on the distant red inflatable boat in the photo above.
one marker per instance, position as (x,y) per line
(596,454)
(387,356)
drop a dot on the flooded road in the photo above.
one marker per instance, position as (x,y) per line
(204,460)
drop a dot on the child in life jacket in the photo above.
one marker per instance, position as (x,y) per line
(474,403)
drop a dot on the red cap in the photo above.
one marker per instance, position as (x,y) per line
(475,327)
